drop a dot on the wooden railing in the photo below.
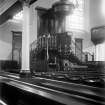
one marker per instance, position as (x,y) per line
(41,43)
(86,56)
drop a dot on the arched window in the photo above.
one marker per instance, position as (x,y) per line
(76,20)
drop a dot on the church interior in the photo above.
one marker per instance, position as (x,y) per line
(52,52)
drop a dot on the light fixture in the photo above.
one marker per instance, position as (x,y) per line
(18,16)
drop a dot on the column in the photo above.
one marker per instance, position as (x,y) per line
(25,38)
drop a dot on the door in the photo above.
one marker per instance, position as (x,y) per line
(16,47)
(78,48)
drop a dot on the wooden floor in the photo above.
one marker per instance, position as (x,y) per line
(42,91)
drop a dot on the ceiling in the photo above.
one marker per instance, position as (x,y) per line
(1,1)
(5,4)
(8,13)
(10,7)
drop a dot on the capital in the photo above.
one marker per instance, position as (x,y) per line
(25,2)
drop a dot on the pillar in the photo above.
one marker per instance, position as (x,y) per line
(25,38)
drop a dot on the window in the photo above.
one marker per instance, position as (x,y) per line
(76,20)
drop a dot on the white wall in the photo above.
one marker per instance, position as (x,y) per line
(100,52)
(6,39)
(97,17)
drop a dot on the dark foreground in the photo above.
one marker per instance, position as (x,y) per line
(40,91)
